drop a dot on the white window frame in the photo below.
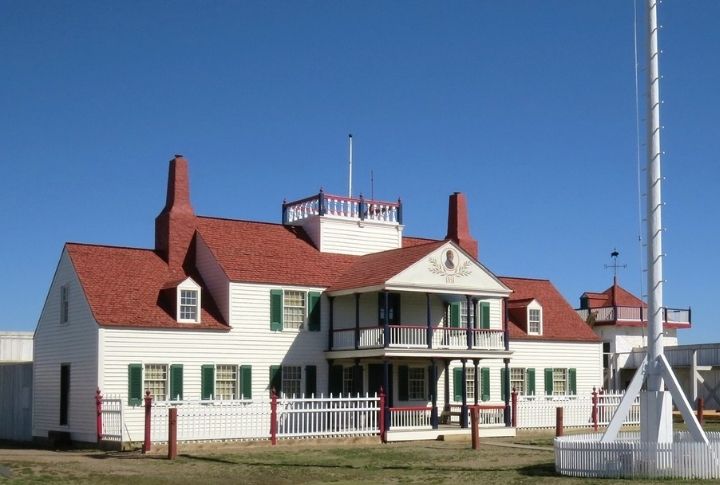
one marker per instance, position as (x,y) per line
(64,304)
(233,381)
(189,285)
(470,383)
(285,307)
(561,378)
(286,381)
(522,390)
(166,369)
(534,308)
(347,386)
(413,394)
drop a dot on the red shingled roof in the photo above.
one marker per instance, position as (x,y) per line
(616,295)
(122,286)
(560,321)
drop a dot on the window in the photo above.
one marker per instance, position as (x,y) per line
(189,305)
(470,383)
(226,381)
(291,381)
(293,309)
(534,321)
(518,381)
(347,385)
(559,382)
(416,383)
(156,380)
(64,304)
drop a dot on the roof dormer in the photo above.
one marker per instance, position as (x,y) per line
(528,315)
(185,300)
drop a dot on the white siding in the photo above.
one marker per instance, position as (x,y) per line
(16,346)
(357,237)
(74,343)
(214,277)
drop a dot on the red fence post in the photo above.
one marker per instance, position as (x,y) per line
(381,417)
(172,433)
(700,411)
(273,417)
(475,420)
(147,444)
(514,397)
(98,408)
(595,409)
(559,421)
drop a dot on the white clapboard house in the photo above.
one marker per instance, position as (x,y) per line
(334,299)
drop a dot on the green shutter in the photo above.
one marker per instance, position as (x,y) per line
(207,381)
(457,384)
(276,378)
(548,382)
(176,382)
(246,381)
(310,380)
(276,310)
(485,383)
(530,377)
(336,380)
(135,391)
(403,383)
(314,311)
(572,378)
(503,389)
(455,311)
(485,315)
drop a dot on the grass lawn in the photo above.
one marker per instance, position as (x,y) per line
(294,462)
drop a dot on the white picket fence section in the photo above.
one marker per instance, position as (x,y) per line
(628,457)
(112,418)
(539,411)
(407,418)
(302,417)
(212,420)
(325,417)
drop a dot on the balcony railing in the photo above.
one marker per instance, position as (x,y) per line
(416,336)
(675,316)
(352,208)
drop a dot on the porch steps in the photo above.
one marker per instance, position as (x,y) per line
(448,434)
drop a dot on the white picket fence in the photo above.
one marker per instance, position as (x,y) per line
(303,417)
(627,457)
(112,418)
(540,411)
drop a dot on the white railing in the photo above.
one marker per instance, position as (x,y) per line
(213,420)
(539,411)
(328,417)
(449,338)
(344,339)
(673,315)
(343,207)
(301,209)
(627,457)
(382,211)
(371,337)
(408,336)
(488,339)
(112,418)
(410,417)
(632,314)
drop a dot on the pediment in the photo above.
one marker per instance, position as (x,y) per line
(448,269)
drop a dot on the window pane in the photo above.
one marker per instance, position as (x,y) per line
(470,383)
(347,380)
(226,382)
(517,380)
(293,309)
(416,383)
(559,381)
(291,381)
(188,304)
(156,380)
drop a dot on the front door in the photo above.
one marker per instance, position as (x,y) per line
(64,393)
(393,308)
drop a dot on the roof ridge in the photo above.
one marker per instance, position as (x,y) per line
(109,246)
(229,219)
(523,278)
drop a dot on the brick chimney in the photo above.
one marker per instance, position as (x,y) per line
(175,225)
(458,227)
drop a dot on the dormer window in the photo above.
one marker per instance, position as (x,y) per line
(534,319)
(188,302)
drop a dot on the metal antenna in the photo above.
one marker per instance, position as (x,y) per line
(350,168)
(372,185)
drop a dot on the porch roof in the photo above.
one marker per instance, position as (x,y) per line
(415,353)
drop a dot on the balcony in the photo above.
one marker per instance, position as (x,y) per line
(417,337)
(358,209)
(673,317)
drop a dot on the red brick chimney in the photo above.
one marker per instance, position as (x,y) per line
(175,225)
(458,228)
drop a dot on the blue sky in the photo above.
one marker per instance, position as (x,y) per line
(526,106)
